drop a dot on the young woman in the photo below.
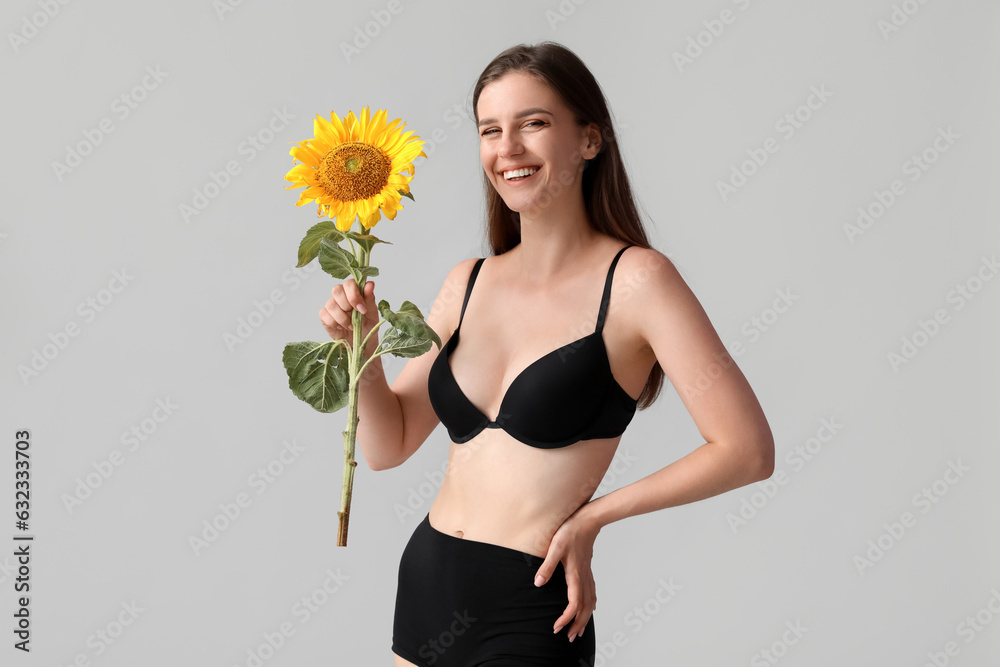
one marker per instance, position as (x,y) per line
(572,323)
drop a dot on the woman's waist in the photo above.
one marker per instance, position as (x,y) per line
(500,518)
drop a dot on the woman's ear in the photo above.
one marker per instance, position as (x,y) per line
(594,141)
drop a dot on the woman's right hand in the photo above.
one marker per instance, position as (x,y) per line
(344,299)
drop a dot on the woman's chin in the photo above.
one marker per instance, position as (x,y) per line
(518,204)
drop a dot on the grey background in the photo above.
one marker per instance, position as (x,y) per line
(682,129)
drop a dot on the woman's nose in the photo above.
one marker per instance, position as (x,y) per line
(510,144)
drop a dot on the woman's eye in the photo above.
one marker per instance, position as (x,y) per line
(532,123)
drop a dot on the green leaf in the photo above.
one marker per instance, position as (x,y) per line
(409,321)
(318,373)
(406,194)
(366,241)
(336,261)
(404,345)
(309,246)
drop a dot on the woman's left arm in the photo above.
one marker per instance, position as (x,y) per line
(738,448)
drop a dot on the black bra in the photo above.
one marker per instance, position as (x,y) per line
(566,396)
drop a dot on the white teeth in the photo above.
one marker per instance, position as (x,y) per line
(519,172)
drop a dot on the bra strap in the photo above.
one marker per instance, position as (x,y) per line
(606,298)
(468,289)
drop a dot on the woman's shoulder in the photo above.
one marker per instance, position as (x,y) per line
(447,306)
(645,273)
(639,263)
(636,257)
(458,276)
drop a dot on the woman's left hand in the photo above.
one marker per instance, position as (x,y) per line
(573,544)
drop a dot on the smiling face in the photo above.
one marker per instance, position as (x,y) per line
(531,147)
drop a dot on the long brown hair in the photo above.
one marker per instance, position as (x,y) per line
(610,205)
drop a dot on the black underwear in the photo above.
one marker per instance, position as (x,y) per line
(462,603)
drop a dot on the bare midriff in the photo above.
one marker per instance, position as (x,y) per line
(501,491)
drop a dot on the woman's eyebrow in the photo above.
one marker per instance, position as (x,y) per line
(521,114)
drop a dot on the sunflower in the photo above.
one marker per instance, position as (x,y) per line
(355,167)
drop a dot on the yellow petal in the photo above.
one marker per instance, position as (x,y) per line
(311,193)
(351,123)
(371,219)
(365,207)
(413,144)
(316,191)
(393,146)
(388,135)
(408,153)
(300,172)
(363,124)
(376,127)
(343,132)
(306,154)
(334,207)
(325,132)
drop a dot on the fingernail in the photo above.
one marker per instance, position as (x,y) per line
(558,628)
(361,308)
(539,580)
(571,637)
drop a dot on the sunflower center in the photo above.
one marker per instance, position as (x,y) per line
(354,170)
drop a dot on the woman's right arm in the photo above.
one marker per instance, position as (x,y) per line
(394,421)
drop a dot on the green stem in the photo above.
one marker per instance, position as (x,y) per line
(351,434)
(364,343)
(374,355)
